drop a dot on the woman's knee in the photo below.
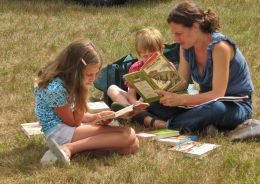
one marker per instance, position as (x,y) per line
(217,107)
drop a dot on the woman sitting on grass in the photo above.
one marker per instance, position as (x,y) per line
(216,64)
(60,103)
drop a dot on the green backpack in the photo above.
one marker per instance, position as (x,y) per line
(113,73)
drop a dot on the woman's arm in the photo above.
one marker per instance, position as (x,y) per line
(184,69)
(221,55)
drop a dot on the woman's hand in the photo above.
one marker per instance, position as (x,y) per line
(169,99)
(104,114)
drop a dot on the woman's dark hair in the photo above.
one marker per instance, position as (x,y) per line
(187,13)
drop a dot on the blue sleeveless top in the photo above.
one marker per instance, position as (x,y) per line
(239,83)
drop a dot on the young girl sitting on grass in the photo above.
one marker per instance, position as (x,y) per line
(60,104)
(147,41)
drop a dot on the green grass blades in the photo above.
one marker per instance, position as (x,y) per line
(32,32)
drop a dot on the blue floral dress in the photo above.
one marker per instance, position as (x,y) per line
(54,95)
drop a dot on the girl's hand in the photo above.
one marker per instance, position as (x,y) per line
(104,114)
(169,99)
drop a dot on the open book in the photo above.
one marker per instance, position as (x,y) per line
(156,73)
(123,113)
(225,98)
(96,107)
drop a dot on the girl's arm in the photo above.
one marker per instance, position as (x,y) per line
(131,95)
(69,117)
(75,118)
(222,55)
(88,117)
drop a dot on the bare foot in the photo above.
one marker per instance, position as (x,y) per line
(66,149)
(158,124)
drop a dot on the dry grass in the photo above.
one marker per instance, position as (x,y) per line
(33,31)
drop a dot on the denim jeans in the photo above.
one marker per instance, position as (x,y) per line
(224,115)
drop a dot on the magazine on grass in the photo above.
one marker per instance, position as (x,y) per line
(194,149)
(158,134)
(156,73)
(175,140)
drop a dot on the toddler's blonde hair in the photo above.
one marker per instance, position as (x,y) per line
(148,39)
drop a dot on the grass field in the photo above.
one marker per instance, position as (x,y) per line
(33,31)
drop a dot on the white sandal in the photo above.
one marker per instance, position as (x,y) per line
(58,151)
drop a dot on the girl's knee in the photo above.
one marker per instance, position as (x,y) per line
(134,147)
(112,89)
(129,135)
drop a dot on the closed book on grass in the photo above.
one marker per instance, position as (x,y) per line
(158,134)
(96,107)
(194,149)
(31,129)
(176,140)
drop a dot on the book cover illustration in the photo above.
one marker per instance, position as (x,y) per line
(156,73)
(194,149)
(175,140)
(163,73)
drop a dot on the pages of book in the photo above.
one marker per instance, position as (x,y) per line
(175,140)
(30,129)
(114,115)
(96,107)
(157,134)
(225,98)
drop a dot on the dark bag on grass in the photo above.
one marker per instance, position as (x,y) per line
(113,73)
(248,130)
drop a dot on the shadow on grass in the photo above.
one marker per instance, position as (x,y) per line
(25,160)
(50,7)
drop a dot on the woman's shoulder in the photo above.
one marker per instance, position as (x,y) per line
(220,41)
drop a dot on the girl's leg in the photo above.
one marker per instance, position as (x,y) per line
(118,95)
(121,139)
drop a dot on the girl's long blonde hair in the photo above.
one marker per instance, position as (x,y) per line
(69,66)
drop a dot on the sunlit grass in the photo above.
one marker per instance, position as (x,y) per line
(33,31)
